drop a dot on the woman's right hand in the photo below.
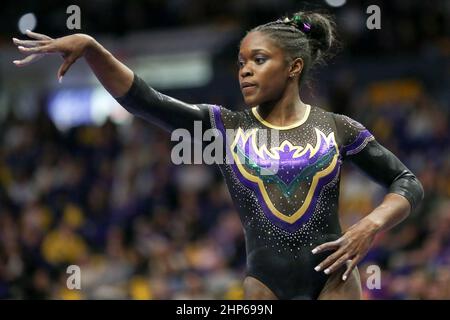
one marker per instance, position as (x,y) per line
(70,47)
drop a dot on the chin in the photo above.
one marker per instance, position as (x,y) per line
(251,102)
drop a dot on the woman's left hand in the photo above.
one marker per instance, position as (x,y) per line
(353,245)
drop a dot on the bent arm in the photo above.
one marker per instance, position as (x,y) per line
(405,193)
(405,190)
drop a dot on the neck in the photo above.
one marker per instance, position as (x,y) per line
(285,111)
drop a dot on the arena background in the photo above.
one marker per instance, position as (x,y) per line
(84,183)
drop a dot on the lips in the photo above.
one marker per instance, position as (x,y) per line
(248,88)
(247,85)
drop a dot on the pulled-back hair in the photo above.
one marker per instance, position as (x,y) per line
(306,35)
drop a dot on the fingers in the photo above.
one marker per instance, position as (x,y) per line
(328,246)
(30,43)
(335,260)
(64,67)
(30,59)
(330,260)
(35,49)
(41,49)
(350,267)
(339,261)
(39,36)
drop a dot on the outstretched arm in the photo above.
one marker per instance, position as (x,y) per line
(405,193)
(131,91)
(113,75)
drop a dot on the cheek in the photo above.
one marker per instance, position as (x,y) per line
(275,81)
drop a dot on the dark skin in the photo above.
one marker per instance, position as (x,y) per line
(276,93)
(273,78)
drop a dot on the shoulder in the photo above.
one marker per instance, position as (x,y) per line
(221,116)
(225,112)
(353,135)
(319,114)
(347,122)
(345,125)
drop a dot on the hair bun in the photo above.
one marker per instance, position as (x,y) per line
(306,35)
(321,29)
(298,23)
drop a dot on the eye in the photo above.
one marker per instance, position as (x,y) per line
(260,60)
(240,63)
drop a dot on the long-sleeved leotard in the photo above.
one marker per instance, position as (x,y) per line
(284,181)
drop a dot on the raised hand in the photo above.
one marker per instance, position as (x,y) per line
(70,47)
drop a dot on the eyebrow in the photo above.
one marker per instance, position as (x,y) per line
(257,51)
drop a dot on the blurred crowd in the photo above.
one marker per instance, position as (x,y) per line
(406,25)
(112,203)
(109,200)
(414,257)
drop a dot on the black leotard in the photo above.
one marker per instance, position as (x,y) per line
(286,190)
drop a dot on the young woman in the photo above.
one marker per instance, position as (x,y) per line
(295,247)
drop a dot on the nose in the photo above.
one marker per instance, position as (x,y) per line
(245,71)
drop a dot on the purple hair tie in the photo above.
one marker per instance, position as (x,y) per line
(306,27)
(296,21)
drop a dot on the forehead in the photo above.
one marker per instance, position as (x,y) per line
(258,41)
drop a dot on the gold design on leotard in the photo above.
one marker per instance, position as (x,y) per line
(268,124)
(273,153)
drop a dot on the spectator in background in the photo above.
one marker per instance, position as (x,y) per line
(282,233)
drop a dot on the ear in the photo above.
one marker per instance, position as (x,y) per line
(296,67)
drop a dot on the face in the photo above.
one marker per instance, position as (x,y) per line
(263,70)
